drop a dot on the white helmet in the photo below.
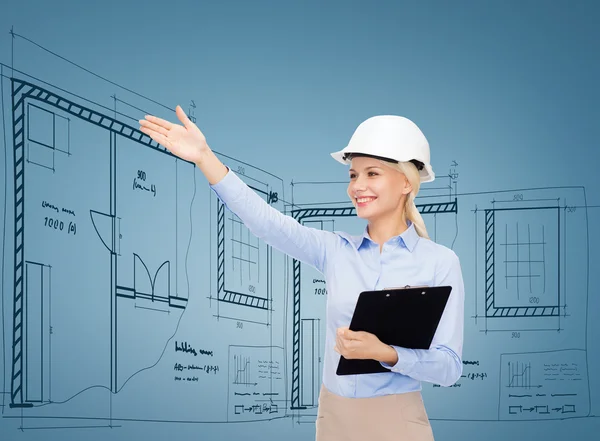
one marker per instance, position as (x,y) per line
(390,137)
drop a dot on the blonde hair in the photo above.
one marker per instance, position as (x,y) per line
(410,209)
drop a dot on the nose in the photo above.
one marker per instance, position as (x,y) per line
(358,185)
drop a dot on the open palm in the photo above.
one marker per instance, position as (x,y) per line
(185,141)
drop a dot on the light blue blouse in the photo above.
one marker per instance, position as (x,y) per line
(352,264)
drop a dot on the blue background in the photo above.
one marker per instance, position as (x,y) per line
(506,93)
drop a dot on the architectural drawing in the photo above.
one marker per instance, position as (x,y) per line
(135,296)
(529,241)
(245,276)
(80,197)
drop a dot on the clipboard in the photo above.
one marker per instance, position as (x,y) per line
(405,317)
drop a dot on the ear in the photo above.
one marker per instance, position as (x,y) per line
(407,186)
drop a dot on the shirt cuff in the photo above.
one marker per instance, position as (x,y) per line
(407,358)
(229,187)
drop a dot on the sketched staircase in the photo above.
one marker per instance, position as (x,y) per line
(243,299)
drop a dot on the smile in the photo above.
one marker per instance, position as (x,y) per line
(361,202)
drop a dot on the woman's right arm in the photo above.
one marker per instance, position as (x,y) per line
(282,232)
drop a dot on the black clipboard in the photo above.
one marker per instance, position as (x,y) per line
(406,317)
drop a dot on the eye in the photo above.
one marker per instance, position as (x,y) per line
(372,173)
(352,175)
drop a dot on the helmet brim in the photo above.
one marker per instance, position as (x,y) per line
(426,174)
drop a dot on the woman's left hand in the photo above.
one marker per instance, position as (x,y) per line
(360,345)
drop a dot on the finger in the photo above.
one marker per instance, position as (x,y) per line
(158,137)
(350,335)
(359,335)
(154,127)
(183,118)
(343,331)
(336,349)
(159,121)
(348,343)
(345,346)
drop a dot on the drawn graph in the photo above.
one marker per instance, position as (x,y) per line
(257,383)
(242,374)
(519,375)
(544,385)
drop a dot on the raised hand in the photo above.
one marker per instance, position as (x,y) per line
(185,141)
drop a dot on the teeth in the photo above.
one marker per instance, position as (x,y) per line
(361,200)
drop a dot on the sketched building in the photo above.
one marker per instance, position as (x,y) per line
(80,178)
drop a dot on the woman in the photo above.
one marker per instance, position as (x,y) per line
(389,158)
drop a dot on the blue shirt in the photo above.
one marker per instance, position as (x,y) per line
(352,264)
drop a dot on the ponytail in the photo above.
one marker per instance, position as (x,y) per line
(411,212)
(410,209)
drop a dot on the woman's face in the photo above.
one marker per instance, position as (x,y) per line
(375,189)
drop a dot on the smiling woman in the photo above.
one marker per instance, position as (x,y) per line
(394,153)
(389,159)
(383,193)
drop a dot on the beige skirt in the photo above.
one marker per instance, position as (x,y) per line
(395,417)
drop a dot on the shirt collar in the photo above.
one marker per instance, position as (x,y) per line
(408,238)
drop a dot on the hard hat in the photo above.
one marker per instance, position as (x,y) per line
(392,138)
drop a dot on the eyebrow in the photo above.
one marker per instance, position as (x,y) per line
(366,168)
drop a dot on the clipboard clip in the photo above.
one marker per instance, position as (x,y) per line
(407,287)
